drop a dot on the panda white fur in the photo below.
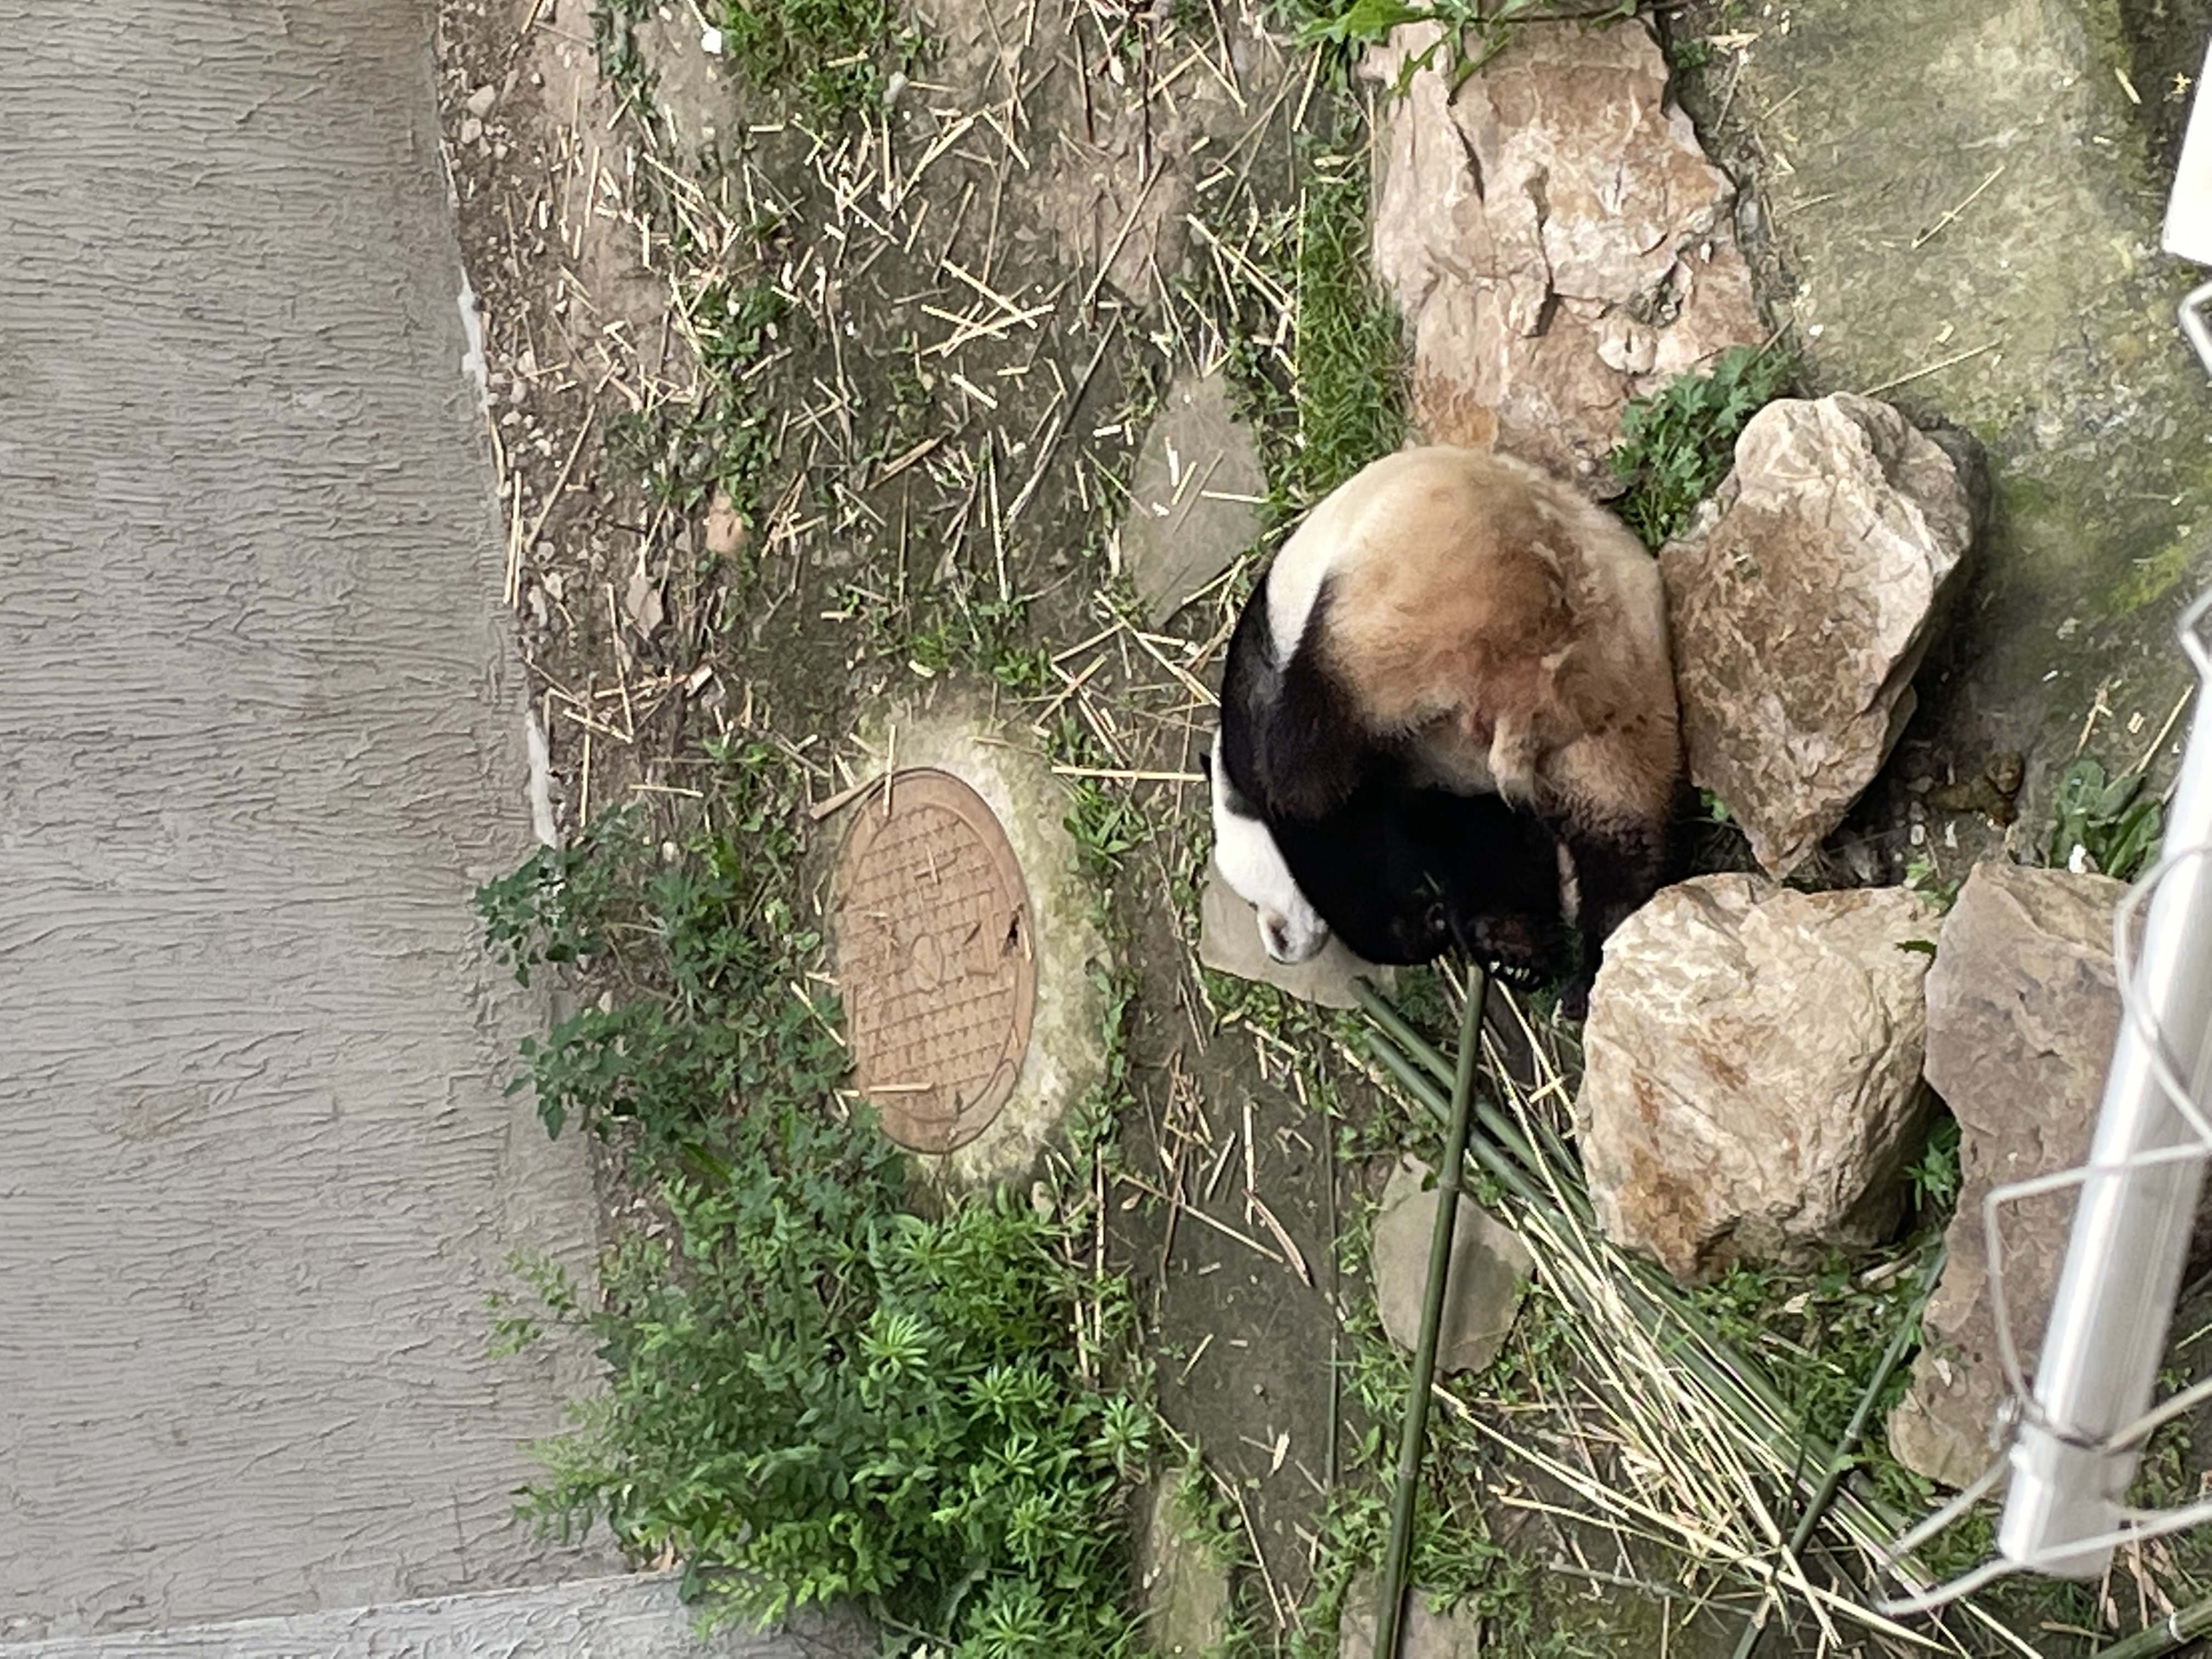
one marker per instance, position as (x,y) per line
(1245,851)
(1448,624)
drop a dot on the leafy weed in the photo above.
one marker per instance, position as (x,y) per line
(1677,444)
(2112,824)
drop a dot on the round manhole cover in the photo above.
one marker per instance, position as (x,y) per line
(935,961)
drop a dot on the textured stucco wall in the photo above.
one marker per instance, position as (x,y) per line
(260,736)
(637,1618)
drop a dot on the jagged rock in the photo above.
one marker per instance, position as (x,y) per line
(1800,607)
(1192,502)
(1752,1082)
(1482,1291)
(1421,1635)
(2022,1013)
(1554,237)
(1229,942)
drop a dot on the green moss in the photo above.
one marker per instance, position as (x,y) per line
(2151,579)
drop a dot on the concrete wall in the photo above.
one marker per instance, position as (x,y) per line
(260,736)
(637,1618)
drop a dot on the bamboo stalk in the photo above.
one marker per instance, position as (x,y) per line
(1900,1342)
(2168,1634)
(1390,1589)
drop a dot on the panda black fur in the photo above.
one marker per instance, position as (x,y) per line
(1448,627)
(1401,871)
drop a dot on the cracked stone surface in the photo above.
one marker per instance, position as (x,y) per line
(1229,942)
(1490,1268)
(1753,1085)
(1555,238)
(1800,606)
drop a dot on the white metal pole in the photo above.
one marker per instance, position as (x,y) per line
(2132,1223)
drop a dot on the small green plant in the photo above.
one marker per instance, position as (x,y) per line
(1933,1177)
(1923,877)
(705,958)
(1106,823)
(817,1396)
(1693,52)
(724,437)
(836,54)
(2112,823)
(622,60)
(1204,1519)
(1475,31)
(1677,443)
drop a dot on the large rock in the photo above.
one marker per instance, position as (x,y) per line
(1802,606)
(1555,238)
(2022,1013)
(1488,1272)
(1751,1080)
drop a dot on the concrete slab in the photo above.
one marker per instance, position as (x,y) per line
(1185,1591)
(265,738)
(1483,1286)
(1193,502)
(1422,1634)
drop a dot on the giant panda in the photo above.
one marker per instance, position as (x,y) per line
(1449,627)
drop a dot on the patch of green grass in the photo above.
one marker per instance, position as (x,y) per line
(680,453)
(621,58)
(1106,826)
(2113,822)
(1350,359)
(1816,1334)
(837,55)
(1677,444)
(1475,31)
(811,1393)
(1316,356)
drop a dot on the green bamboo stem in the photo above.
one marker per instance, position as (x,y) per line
(1401,1044)
(1390,1587)
(1734,1384)
(2176,1629)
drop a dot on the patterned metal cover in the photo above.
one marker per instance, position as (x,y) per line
(935,960)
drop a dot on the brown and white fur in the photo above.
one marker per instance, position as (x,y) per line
(1478,623)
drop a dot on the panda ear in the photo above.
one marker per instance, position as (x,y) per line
(1312,748)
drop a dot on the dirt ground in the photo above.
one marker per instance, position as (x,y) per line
(795,420)
(981,290)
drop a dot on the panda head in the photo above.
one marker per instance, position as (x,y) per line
(1245,852)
